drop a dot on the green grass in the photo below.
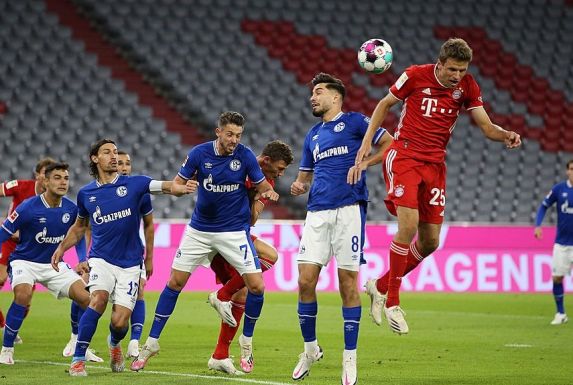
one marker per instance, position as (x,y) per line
(454,339)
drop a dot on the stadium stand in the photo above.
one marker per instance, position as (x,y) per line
(256,56)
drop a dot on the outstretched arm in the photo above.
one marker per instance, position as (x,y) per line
(74,235)
(179,186)
(378,116)
(493,131)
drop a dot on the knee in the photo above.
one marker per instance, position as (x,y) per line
(407,231)
(428,246)
(175,284)
(119,322)
(98,302)
(270,254)
(306,285)
(23,299)
(257,288)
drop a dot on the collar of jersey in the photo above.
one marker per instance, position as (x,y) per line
(338,116)
(112,182)
(217,151)
(46,202)
(569,183)
(439,82)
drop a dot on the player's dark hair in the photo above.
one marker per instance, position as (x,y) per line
(231,117)
(121,152)
(457,49)
(93,151)
(569,163)
(56,166)
(278,150)
(331,82)
(45,162)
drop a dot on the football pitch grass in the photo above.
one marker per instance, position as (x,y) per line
(454,339)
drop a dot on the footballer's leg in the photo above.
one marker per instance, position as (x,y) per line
(194,250)
(253,306)
(351,312)
(163,310)
(137,320)
(14,319)
(220,360)
(307,312)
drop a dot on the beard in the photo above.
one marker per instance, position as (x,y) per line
(318,112)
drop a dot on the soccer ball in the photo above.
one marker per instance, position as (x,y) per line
(375,55)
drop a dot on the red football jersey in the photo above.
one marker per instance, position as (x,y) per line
(251,185)
(19,190)
(430,111)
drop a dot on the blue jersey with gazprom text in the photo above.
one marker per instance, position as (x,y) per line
(330,151)
(42,228)
(114,212)
(562,195)
(222,200)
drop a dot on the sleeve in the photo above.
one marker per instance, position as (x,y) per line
(549,200)
(307,159)
(254,171)
(4,235)
(405,84)
(15,220)
(9,188)
(363,127)
(189,165)
(145,207)
(81,250)
(82,211)
(142,183)
(473,96)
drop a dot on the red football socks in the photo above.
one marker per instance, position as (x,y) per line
(227,333)
(398,260)
(412,260)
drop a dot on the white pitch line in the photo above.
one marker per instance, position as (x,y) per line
(173,374)
(518,346)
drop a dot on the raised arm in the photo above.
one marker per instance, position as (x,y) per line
(355,172)
(302,183)
(378,116)
(493,131)
(74,235)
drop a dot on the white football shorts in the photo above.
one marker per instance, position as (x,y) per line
(562,260)
(121,283)
(338,232)
(197,248)
(57,282)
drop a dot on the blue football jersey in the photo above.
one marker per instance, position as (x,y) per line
(222,201)
(329,151)
(562,195)
(114,212)
(42,228)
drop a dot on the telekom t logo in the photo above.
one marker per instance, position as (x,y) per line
(429,106)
